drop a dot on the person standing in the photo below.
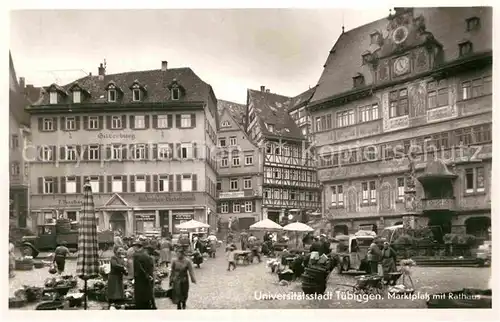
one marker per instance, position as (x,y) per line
(143,278)
(60,255)
(254,247)
(373,257)
(244,240)
(165,252)
(182,270)
(116,291)
(325,245)
(388,259)
(230,258)
(118,241)
(12,260)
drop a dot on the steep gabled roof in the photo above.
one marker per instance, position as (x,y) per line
(272,109)
(156,84)
(238,126)
(236,110)
(447,25)
(17,100)
(301,99)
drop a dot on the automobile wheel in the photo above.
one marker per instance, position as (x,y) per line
(27,250)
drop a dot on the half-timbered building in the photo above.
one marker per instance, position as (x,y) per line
(290,187)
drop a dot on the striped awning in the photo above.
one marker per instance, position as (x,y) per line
(88,258)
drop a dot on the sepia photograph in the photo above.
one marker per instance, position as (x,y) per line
(224,159)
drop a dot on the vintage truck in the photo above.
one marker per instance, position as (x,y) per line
(352,250)
(48,238)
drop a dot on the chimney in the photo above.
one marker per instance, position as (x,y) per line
(22,83)
(102,71)
(268,90)
(262,88)
(164,65)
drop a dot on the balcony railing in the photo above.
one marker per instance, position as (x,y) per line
(447,203)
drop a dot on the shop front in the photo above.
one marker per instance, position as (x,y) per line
(179,217)
(145,223)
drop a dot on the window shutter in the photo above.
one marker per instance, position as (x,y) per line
(193,120)
(146,122)
(179,182)
(40,153)
(178,120)
(170,120)
(178,151)
(40,124)
(171,148)
(194,180)
(85,123)
(55,123)
(132,184)
(53,155)
(132,121)
(124,121)
(155,152)
(100,152)
(101,123)
(125,152)
(63,123)
(155,183)
(79,184)
(146,151)
(85,149)
(155,121)
(108,152)
(77,123)
(62,153)
(110,186)
(40,185)
(148,183)
(108,122)
(131,151)
(101,183)
(124,183)
(171,182)
(195,151)
(55,180)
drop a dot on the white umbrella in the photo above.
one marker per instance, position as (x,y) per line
(266,224)
(298,226)
(192,224)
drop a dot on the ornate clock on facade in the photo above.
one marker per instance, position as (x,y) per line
(401,65)
(400,34)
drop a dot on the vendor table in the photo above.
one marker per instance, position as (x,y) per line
(244,256)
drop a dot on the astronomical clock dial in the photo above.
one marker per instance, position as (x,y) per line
(401,65)
(400,34)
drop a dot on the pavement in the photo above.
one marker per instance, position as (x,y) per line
(245,287)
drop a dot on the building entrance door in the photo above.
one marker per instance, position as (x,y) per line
(117,221)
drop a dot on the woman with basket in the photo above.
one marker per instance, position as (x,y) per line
(116,290)
(182,270)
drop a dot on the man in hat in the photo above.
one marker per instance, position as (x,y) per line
(325,245)
(143,277)
(373,256)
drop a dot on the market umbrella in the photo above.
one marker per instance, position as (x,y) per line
(192,224)
(266,224)
(297,227)
(87,266)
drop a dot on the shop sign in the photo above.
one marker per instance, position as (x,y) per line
(184,216)
(74,202)
(231,194)
(145,217)
(167,198)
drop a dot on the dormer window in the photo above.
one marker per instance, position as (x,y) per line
(374,38)
(225,124)
(473,23)
(112,95)
(270,127)
(465,48)
(176,90)
(77,97)
(175,94)
(136,95)
(358,80)
(53,97)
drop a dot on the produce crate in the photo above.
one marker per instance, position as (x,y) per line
(15,303)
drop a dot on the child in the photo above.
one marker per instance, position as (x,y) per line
(230,258)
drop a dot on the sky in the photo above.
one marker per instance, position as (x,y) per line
(231,49)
